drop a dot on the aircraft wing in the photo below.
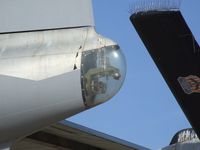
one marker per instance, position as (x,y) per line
(176,53)
(69,136)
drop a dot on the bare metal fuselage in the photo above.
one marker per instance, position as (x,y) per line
(40,78)
(53,65)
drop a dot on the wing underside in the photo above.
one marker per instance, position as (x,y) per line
(69,136)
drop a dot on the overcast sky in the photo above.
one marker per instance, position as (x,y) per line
(144,112)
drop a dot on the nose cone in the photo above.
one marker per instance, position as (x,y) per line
(103,73)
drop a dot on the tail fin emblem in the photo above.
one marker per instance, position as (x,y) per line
(190,84)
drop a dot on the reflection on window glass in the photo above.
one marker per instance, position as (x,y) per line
(103,72)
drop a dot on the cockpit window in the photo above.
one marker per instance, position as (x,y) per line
(103,72)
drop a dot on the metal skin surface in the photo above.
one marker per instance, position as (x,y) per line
(26,15)
(37,55)
(27,106)
(40,78)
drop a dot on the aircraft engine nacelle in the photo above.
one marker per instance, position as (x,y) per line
(49,75)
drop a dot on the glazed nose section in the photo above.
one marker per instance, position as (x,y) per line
(103,72)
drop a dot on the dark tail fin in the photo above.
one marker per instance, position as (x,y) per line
(177,55)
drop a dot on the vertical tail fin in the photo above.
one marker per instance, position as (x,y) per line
(176,53)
